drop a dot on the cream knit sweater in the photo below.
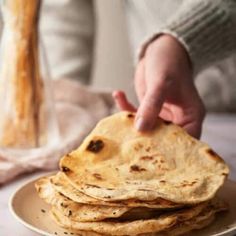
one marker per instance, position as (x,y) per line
(206,28)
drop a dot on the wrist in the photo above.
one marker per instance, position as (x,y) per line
(173,54)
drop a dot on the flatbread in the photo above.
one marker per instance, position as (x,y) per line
(197,223)
(205,218)
(62,184)
(73,210)
(116,162)
(85,212)
(194,224)
(115,227)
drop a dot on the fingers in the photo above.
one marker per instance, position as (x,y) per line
(194,127)
(167,75)
(122,102)
(139,80)
(190,116)
(166,113)
(157,84)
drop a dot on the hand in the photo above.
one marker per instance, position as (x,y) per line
(165,88)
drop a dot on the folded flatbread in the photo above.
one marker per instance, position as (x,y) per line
(117,163)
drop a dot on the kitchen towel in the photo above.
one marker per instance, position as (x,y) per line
(78,109)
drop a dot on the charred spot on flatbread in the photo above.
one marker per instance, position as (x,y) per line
(214,155)
(70,213)
(130,115)
(95,146)
(167,122)
(97,176)
(63,204)
(136,168)
(65,169)
(92,186)
(146,158)
(68,155)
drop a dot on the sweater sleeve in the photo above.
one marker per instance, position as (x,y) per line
(206,29)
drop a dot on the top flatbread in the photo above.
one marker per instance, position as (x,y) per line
(116,162)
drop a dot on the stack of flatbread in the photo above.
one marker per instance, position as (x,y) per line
(123,182)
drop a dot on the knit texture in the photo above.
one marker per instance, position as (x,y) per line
(205,28)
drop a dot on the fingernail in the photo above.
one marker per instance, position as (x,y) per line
(142,125)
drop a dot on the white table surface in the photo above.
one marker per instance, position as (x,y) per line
(219,132)
(8,224)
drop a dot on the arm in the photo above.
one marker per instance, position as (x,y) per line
(198,35)
(205,28)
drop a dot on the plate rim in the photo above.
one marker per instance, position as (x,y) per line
(42,232)
(13,212)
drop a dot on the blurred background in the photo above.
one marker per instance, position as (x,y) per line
(113,65)
(80,25)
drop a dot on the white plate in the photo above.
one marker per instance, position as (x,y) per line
(32,212)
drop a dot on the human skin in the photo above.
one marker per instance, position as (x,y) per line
(164,86)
